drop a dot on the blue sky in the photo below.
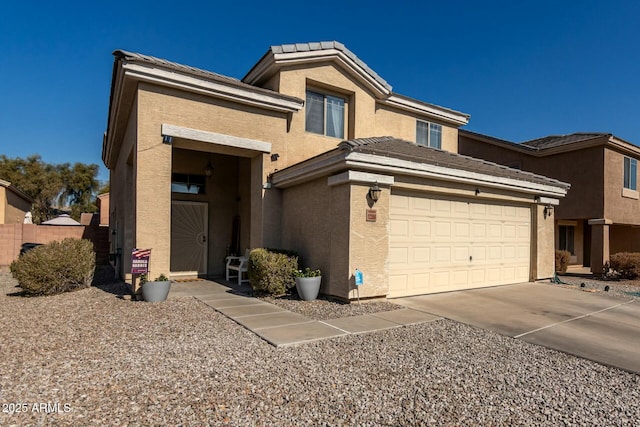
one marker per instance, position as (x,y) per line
(521,69)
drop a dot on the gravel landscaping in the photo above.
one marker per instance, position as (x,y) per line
(118,362)
(622,288)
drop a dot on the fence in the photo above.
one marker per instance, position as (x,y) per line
(13,236)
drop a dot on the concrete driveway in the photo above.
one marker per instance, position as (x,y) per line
(601,328)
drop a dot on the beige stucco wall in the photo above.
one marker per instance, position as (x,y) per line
(327,226)
(364,117)
(12,207)
(369,247)
(619,209)
(394,122)
(315,224)
(122,197)
(542,244)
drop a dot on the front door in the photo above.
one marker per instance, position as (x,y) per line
(189,222)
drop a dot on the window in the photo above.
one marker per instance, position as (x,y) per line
(566,235)
(630,173)
(429,134)
(324,114)
(187,184)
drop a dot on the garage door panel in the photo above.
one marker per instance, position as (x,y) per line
(440,245)
(421,228)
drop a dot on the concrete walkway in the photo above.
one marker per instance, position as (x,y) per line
(597,327)
(281,327)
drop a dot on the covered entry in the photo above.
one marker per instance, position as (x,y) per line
(439,244)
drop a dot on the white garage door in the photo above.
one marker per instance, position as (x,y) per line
(442,244)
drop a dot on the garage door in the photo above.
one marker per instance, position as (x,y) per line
(442,244)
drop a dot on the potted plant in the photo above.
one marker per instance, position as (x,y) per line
(157,290)
(308,283)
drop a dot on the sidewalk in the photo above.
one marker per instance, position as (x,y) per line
(281,327)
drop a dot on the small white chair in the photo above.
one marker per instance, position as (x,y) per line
(239,264)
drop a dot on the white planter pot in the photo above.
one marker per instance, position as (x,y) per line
(156,291)
(308,287)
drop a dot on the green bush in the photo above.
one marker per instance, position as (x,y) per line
(625,264)
(562,261)
(56,267)
(271,272)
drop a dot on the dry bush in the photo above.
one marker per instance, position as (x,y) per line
(56,267)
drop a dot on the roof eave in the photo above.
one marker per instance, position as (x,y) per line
(439,113)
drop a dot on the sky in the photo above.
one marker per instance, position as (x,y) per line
(522,70)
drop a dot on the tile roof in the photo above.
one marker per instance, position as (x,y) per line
(197,72)
(559,140)
(397,148)
(327,45)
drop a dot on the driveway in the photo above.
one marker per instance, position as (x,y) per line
(601,328)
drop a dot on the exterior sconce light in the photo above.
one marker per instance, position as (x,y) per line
(374,192)
(548,211)
(167,139)
(274,157)
(208,171)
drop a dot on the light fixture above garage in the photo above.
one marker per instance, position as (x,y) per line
(374,192)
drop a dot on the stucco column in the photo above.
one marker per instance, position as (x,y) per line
(369,245)
(153,201)
(543,260)
(599,244)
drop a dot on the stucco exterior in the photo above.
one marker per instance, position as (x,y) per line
(14,204)
(270,182)
(603,214)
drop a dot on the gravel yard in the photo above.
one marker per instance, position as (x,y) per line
(117,362)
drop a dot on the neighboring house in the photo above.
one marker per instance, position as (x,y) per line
(601,213)
(204,165)
(14,204)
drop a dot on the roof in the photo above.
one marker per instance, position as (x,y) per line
(15,190)
(63,219)
(559,140)
(397,148)
(327,45)
(209,75)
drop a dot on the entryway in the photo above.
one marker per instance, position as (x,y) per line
(189,235)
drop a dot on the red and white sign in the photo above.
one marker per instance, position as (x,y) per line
(140,261)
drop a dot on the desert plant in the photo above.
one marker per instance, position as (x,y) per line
(271,272)
(562,261)
(307,272)
(625,264)
(56,267)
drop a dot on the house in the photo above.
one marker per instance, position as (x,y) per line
(601,213)
(312,151)
(14,204)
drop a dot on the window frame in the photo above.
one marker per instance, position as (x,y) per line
(630,173)
(430,128)
(326,98)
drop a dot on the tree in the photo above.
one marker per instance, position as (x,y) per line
(52,187)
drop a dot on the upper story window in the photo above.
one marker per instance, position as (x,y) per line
(630,173)
(429,134)
(324,114)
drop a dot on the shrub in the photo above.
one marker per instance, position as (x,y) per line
(625,264)
(56,267)
(562,261)
(271,272)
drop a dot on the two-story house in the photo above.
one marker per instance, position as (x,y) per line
(601,213)
(312,151)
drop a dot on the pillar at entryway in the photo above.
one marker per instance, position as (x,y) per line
(599,244)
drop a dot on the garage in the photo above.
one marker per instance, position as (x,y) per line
(440,244)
